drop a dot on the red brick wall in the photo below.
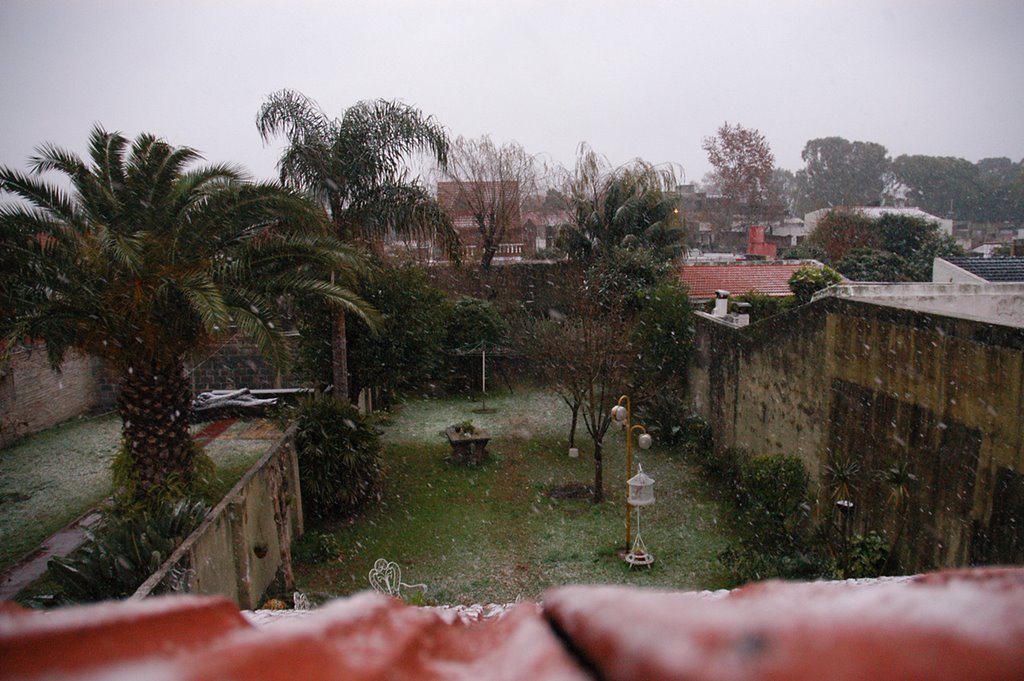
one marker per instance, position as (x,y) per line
(34,397)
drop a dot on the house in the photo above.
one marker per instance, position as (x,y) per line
(875,212)
(770,278)
(954,270)
(504,197)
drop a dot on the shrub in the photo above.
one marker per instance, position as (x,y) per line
(317,547)
(119,556)
(868,554)
(472,323)
(339,455)
(772,490)
(807,281)
(763,306)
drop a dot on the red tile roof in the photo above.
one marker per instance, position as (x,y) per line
(964,624)
(769,278)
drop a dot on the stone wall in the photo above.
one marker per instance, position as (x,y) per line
(879,384)
(246,540)
(33,396)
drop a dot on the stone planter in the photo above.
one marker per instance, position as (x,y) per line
(468,448)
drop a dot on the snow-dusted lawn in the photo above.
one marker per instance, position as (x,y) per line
(50,478)
(491,534)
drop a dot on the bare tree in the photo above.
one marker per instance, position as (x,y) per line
(487,184)
(589,360)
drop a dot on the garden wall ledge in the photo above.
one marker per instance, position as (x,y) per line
(963,624)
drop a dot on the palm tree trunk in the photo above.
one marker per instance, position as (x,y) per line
(155,402)
(339,352)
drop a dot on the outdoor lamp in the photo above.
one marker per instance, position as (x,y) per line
(644,441)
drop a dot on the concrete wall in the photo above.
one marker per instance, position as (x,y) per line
(879,384)
(34,397)
(246,540)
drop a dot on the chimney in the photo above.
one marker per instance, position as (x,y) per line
(721,303)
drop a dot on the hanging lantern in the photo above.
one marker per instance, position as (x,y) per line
(619,413)
(644,441)
(641,489)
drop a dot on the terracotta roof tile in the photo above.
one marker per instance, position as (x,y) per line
(966,624)
(771,278)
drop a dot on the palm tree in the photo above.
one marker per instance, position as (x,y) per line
(634,204)
(354,166)
(146,261)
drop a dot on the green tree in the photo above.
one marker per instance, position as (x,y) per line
(942,185)
(409,346)
(145,262)
(841,173)
(872,264)
(355,166)
(621,279)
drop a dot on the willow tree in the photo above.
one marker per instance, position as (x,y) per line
(146,260)
(356,167)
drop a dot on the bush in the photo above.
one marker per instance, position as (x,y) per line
(125,551)
(807,281)
(472,323)
(340,464)
(868,554)
(773,493)
(763,306)
(317,547)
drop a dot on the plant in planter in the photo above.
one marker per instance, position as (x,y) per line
(464,428)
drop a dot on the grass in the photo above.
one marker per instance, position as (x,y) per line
(493,534)
(52,477)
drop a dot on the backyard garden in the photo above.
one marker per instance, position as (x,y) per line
(521,521)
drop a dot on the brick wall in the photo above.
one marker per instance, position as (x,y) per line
(881,384)
(236,364)
(34,397)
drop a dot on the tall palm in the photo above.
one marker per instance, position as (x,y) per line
(143,262)
(354,166)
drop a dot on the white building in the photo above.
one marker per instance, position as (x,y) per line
(875,212)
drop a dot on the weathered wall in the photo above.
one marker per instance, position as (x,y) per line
(246,540)
(34,397)
(848,379)
(236,364)
(761,388)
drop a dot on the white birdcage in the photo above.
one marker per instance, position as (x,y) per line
(641,489)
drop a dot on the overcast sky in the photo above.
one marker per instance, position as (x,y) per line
(647,79)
